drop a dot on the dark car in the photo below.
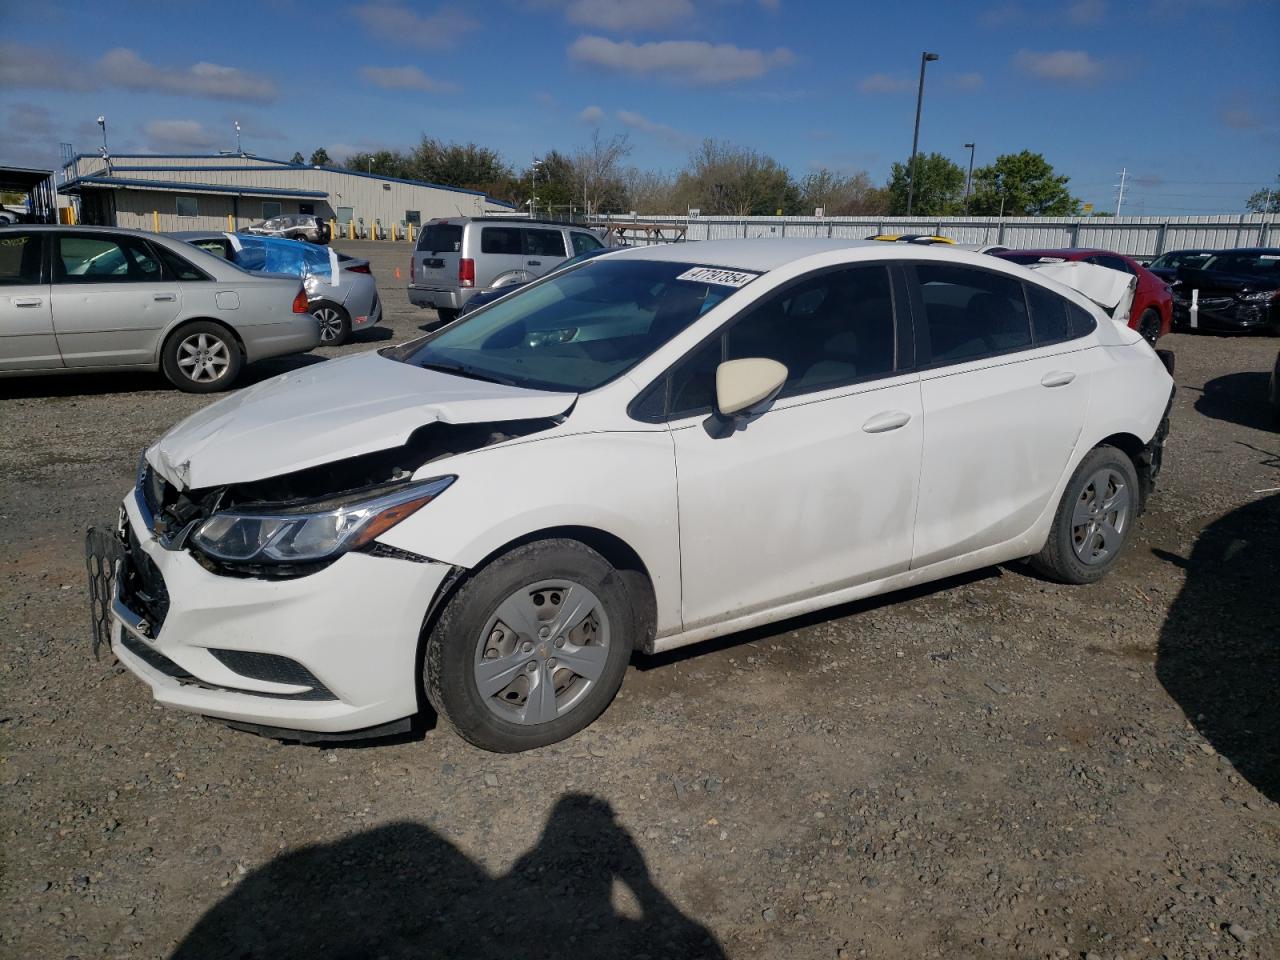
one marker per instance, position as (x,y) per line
(488,296)
(1275,388)
(1166,265)
(1152,312)
(1233,291)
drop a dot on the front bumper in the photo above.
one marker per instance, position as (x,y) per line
(353,626)
(1226,314)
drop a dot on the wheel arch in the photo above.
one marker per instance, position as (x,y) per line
(1138,453)
(179,325)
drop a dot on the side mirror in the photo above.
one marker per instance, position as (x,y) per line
(744,388)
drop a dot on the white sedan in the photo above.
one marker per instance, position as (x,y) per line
(656,447)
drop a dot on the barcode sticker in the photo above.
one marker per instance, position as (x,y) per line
(725,278)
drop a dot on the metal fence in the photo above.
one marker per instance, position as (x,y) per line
(1136,236)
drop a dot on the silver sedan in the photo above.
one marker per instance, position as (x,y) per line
(80,299)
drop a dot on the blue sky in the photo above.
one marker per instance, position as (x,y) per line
(1185,94)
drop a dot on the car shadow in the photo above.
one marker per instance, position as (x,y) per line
(1219,647)
(1239,398)
(139,381)
(404,891)
(372,335)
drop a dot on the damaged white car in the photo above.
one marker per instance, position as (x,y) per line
(650,449)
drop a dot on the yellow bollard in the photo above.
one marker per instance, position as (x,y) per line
(410,237)
(230,227)
(351,229)
(333,228)
(155,221)
(393,231)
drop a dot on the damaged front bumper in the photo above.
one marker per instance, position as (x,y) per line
(330,652)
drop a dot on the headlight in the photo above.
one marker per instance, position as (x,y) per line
(310,535)
(1258,296)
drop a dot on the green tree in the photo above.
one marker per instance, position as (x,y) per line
(841,195)
(723,178)
(1266,200)
(557,184)
(1022,185)
(297,157)
(320,157)
(469,166)
(387,163)
(939,186)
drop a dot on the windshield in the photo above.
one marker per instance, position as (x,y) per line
(577,330)
(1180,258)
(1262,265)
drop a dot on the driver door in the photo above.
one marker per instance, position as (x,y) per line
(819,492)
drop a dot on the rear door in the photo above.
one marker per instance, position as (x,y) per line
(27,340)
(500,259)
(112,298)
(437,254)
(544,250)
(1002,410)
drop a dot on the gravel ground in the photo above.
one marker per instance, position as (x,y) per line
(990,766)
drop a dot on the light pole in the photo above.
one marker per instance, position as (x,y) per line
(915,140)
(968,183)
(238,150)
(102,122)
(533,200)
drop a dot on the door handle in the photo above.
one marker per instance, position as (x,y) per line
(534,263)
(1057,378)
(884,422)
(165,297)
(27,301)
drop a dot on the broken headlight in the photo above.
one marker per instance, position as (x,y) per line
(310,533)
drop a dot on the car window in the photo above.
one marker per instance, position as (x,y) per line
(19,258)
(1186,258)
(544,243)
(971,313)
(1050,318)
(1261,265)
(105,259)
(829,330)
(576,329)
(179,267)
(441,238)
(582,242)
(501,240)
(1112,263)
(217,247)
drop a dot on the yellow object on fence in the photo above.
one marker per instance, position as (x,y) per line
(333,227)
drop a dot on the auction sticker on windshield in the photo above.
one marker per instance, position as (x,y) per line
(726,278)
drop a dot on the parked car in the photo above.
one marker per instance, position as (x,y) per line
(828,442)
(478,300)
(925,238)
(292,226)
(1233,291)
(79,299)
(342,305)
(982,247)
(457,258)
(1152,313)
(1274,388)
(1166,265)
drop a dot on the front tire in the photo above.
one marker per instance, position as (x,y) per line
(1094,520)
(335,323)
(201,357)
(532,648)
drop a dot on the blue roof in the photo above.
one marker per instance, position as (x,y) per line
(182,187)
(277,163)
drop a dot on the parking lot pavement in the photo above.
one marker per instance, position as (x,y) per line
(986,767)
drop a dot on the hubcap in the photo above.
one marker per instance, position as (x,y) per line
(203,357)
(1100,516)
(330,324)
(542,650)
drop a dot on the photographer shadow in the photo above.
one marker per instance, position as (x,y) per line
(404,891)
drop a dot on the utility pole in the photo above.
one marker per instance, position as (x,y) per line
(968,183)
(915,139)
(1124,174)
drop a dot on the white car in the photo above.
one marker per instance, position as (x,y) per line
(647,450)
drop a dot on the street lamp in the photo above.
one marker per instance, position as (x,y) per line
(968,183)
(915,140)
(238,150)
(102,122)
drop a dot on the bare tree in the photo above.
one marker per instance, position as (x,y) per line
(723,178)
(842,195)
(597,166)
(649,191)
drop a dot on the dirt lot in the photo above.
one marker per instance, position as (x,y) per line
(987,767)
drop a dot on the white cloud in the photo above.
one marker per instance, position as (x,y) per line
(123,68)
(177,135)
(405,78)
(680,61)
(1061,66)
(400,25)
(636,122)
(884,83)
(622,15)
(591,115)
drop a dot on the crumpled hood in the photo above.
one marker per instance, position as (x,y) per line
(330,411)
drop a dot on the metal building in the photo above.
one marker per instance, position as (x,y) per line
(169,192)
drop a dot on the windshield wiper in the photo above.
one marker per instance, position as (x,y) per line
(458,370)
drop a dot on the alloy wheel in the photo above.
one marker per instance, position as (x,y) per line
(1100,516)
(330,324)
(203,357)
(542,650)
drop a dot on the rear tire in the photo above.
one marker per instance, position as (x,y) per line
(1094,520)
(499,644)
(201,357)
(446,315)
(335,323)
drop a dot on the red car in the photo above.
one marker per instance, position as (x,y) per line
(1152,313)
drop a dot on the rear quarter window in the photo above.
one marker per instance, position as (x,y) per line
(501,240)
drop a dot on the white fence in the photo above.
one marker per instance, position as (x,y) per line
(1136,236)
